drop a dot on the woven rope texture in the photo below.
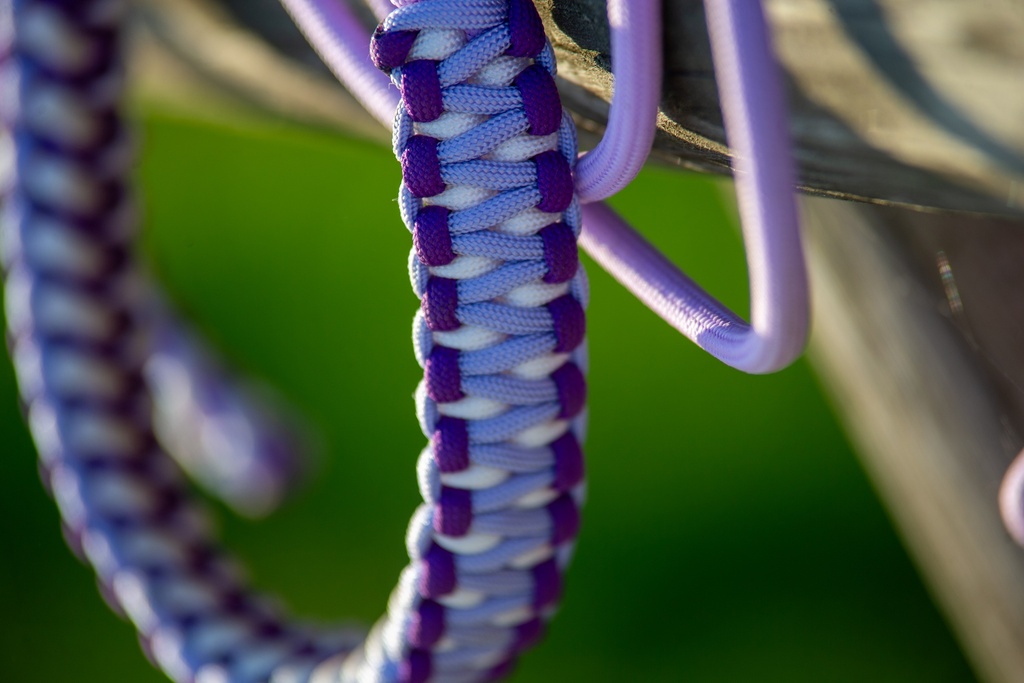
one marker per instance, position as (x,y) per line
(488,194)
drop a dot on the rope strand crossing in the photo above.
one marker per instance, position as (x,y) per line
(487,193)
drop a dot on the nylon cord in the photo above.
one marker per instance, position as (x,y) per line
(749,82)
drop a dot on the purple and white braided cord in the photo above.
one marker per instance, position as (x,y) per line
(198,403)
(75,311)
(500,337)
(487,193)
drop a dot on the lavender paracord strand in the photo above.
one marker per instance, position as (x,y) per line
(499,335)
(232,436)
(75,313)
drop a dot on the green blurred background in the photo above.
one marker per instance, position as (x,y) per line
(730,534)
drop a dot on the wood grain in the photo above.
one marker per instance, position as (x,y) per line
(908,102)
(936,421)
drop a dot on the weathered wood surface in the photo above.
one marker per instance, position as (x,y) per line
(918,335)
(913,102)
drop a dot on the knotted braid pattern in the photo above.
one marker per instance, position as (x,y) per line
(486,154)
(75,312)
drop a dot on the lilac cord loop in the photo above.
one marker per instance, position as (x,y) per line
(1011,499)
(636,66)
(340,40)
(749,82)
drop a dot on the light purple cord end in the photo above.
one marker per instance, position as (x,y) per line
(1011,499)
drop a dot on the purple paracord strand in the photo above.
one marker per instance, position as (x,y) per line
(74,312)
(487,193)
(753,109)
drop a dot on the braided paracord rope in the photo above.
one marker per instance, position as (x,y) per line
(224,434)
(487,193)
(500,337)
(76,311)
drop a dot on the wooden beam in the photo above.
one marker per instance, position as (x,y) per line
(908,362)
(908,102)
